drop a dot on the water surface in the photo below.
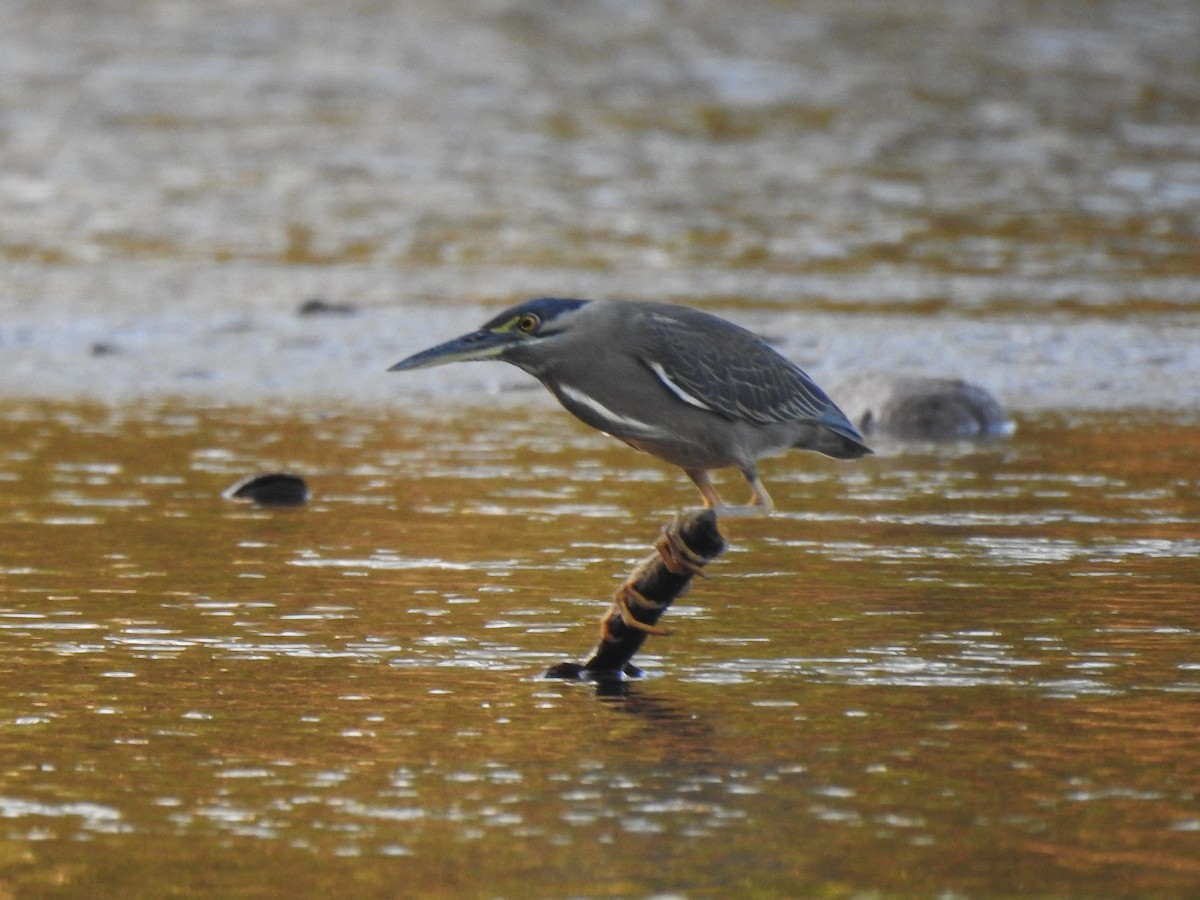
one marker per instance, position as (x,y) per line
(968,669)
(952,670)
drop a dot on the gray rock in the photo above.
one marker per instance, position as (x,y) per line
(911,407)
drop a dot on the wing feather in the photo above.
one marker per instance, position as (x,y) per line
(725,368)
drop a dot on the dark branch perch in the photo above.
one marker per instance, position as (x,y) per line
(685,547)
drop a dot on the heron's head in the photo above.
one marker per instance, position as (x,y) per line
(515,335)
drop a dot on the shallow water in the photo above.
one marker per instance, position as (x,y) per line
(965,669)
(946,670)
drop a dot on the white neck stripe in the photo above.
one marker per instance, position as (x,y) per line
(676,389)
(604,412)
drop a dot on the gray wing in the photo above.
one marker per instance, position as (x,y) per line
(719,366)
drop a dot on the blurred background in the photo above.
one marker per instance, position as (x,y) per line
(1006,191)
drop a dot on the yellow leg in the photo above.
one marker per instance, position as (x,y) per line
(760,498)
(712,500)
(760,504)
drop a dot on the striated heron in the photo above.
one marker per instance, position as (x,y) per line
(683,385)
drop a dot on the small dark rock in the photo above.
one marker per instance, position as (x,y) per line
(273,489)
(570,671)
(318,307)
(918,408)
(103,348)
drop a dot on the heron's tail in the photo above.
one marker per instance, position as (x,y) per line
(835,436)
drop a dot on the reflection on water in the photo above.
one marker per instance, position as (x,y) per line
(979,663)
(952,670)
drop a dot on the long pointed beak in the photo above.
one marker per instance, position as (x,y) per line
(476,345)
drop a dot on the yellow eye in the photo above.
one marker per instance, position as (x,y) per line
(528,323)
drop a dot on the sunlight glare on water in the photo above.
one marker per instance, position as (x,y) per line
(985,651)
(956,670)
